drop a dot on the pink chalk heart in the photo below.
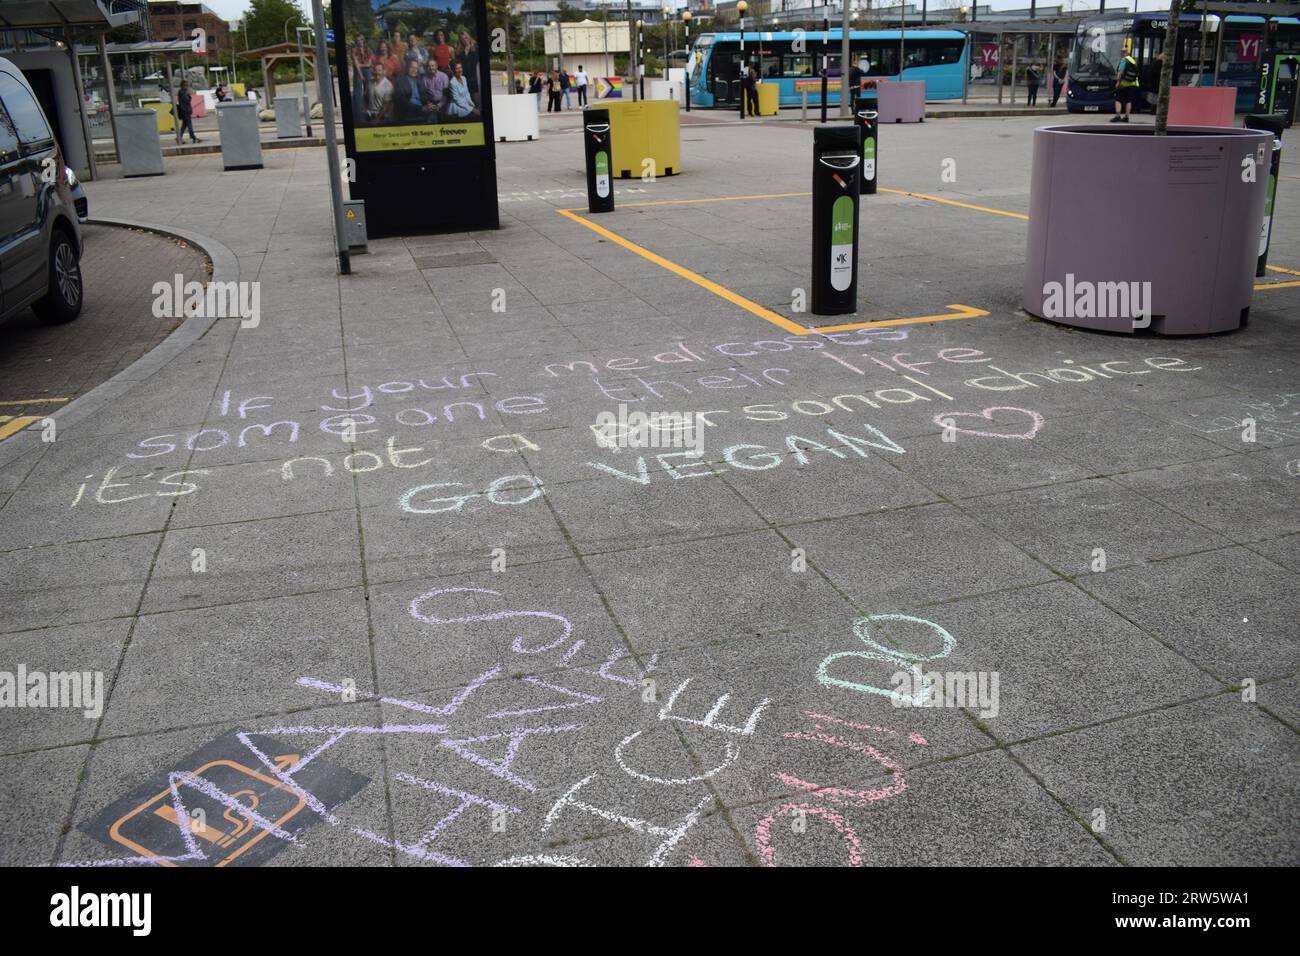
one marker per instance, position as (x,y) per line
(950,419)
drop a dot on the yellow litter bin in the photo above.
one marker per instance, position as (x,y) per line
(769,99)
(647,137)
(166,118)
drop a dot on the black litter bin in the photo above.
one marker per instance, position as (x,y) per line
(867,119)
(1274,123)
(596,136)
(837,168)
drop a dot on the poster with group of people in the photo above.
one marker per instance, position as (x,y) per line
(413,73)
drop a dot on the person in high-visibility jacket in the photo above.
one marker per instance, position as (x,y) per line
(1126,88)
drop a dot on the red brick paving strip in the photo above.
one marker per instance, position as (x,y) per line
(116,326)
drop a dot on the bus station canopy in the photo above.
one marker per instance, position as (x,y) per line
(1054,25)
(1250,9)
(155,47)
(49,14)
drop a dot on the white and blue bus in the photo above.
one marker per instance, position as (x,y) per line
(793,60)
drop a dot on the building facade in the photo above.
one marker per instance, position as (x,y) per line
(176,20)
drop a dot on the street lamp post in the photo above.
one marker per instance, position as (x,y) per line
(668,13)
(302,75)
(846,72)
(741,7)
(640,58)
(686,25)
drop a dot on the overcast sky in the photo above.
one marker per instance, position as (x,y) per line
(233,9)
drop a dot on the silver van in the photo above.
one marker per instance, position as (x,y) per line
(40,240)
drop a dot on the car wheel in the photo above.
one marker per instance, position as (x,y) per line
(62,301)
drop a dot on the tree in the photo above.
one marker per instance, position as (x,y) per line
(266,20)
(570,14)
(1167,69)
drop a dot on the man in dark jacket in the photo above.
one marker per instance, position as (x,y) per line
(185,110)
(410,101)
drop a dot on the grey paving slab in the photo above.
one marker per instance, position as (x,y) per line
(1239,496)
(866,557)
(982,810)
(766,593)
(1130,441)
(1231,611)
(1208,782)
(249,560)
(69,673)
(1086,526)
(37,788)
(236,660)
(1047,680)
(70,583)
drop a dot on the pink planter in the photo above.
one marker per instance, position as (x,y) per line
(901,102)
(1202,106)
(1128,230)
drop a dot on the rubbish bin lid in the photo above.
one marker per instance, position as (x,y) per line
(839,160)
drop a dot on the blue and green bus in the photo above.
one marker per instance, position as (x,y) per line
(793,60)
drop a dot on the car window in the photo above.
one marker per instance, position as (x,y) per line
(24,112)
(8,138)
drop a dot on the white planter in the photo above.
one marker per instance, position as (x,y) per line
(514,118)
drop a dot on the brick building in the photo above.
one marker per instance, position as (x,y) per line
(175,20)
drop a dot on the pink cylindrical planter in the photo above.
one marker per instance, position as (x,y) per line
(901,101)
(1129,230)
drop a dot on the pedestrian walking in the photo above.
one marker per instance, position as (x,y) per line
(535,87)
(580,78)
(1033,76)
(185,110)
(1058,80)
(750,88)
(1126,89)
(554,99)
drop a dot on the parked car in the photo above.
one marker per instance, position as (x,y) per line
(79,200)
(40,239)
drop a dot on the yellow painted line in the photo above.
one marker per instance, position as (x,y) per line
(1290,272)
(54,401)
(17,425)
(721,291)
(962,312)
(1276,285)
(748,305)
(953,202)
(685,202)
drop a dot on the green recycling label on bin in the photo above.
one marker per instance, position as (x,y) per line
(869,158)
(842,243)
(602,174)
(1268,215)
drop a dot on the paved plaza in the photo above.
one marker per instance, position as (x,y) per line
(380,561)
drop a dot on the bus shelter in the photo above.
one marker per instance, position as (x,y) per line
(999,52)
(44,39)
